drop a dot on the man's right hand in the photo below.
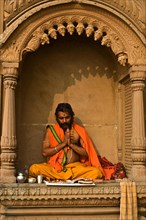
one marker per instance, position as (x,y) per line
(67,137)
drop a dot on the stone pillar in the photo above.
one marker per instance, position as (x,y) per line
(8,138)
(138,141)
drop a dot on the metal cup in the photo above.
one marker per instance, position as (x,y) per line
(40,179)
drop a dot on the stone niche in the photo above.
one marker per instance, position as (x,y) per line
(73,69)
(84,70)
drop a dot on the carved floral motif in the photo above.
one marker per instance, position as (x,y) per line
(35,41)
(10,53)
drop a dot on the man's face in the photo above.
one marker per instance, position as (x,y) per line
(64,120)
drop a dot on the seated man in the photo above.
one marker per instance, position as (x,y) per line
(69,150)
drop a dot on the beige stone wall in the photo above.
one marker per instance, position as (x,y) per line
(72,69)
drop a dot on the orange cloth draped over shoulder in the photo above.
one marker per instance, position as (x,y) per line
(55,160)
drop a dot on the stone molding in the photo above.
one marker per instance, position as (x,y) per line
(37,192)
(133,10)
(87,217)
(10,69)
(64,202)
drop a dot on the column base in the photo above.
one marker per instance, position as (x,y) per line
(7,176)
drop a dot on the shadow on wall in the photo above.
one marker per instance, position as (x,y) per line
(53,68)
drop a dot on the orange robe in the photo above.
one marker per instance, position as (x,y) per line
(85,168)
(56,159)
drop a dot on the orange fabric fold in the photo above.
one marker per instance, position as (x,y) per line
(55,160)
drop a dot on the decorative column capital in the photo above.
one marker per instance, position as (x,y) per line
(10,81)
(9,68)
(138,85)
(137,73)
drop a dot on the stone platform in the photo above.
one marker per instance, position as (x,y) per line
(38,201)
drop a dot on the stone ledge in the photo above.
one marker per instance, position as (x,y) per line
(26,201)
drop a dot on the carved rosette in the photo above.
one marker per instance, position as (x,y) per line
(8,138)
(138,140)
(80,25)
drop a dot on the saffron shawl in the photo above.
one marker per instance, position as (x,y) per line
(56,160)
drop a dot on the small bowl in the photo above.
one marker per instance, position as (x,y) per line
(69,181)
(31,180)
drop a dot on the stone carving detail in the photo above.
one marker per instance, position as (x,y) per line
(80,28)
(10,84)
(133,54)
(10,53)
(122,58)
(61,29)
(70,28)
(89,30)
(52,33)
(42,34)
(133,9)
(106,41)
(117,47)
(8,158)
(35,41)
(33,196)
(138,49)
(98,34)
(138,128)
(8,139)
(44,39)
(13,6)
(100,191)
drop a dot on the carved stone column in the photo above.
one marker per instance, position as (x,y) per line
(138,141)
(8,138)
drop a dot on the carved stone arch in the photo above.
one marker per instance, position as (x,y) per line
(100,32)
(90,26)
(93,20)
